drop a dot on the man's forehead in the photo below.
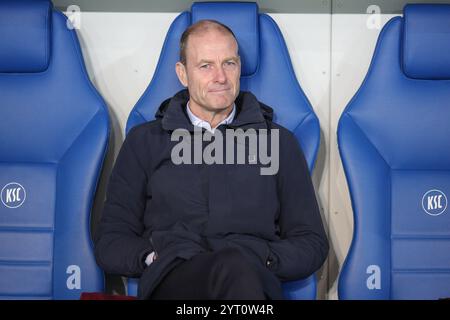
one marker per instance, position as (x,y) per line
(212,42)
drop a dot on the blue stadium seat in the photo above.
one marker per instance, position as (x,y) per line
(266,71)
(394,141)
(53,136)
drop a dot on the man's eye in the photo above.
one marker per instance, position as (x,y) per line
(230,63)
(204,66)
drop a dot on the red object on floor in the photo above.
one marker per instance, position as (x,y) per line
(104,296)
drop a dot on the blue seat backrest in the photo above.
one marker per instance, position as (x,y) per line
(394,140)
(266,71)
(53,136)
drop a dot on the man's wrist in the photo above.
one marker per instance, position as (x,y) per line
(150,258)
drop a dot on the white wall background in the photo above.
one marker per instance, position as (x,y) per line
(330,55)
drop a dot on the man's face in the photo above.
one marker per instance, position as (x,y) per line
(212,70)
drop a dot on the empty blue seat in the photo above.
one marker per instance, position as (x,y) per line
(394,140)
(53,137)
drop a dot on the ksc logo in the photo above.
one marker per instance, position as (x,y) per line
(434,202)
(13,195)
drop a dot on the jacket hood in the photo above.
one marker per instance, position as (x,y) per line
(249,111)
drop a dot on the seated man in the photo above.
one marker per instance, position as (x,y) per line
(187,213)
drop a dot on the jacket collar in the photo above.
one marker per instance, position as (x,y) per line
(249,112)
(196,121)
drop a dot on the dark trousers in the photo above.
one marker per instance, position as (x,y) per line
(222,275)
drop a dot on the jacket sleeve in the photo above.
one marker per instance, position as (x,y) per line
(120,247)
(303,245)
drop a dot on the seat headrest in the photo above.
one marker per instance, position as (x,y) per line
(426,41)
(242,19)
(25,27)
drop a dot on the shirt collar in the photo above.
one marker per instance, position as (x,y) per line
(196,121)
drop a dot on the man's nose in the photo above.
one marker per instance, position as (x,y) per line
(220,75)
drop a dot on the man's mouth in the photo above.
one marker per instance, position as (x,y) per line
(219,90)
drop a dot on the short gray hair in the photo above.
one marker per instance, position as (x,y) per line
(200,27)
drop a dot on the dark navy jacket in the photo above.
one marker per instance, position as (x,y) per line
(182,210)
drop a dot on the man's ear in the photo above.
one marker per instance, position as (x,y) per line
(181,73)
